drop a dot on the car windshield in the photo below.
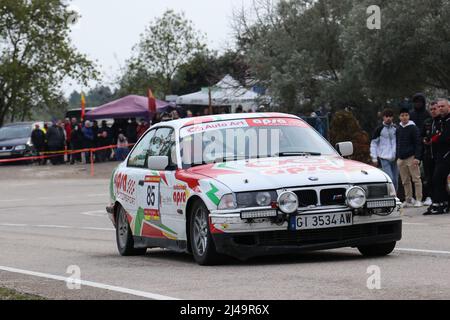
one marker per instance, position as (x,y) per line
(249,139)
(15,132)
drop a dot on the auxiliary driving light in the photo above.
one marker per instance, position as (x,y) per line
(391,203)
(259,214)
(288,202)
(356,197)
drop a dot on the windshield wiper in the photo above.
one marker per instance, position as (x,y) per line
(295,154)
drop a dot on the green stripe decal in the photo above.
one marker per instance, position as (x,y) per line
(140,216)
(212,195)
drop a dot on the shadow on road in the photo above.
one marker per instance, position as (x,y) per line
(311,257)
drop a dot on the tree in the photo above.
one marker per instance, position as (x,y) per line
(207,68)
(94,97)
(165,46)
(36,55)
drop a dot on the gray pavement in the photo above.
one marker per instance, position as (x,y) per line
(50,224)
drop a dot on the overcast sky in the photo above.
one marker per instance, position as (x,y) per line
(109,29)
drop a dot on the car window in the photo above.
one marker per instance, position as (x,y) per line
(163,144)
(138,157)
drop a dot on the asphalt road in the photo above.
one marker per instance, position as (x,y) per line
(48,225)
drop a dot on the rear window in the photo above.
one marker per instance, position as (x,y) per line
(15,132)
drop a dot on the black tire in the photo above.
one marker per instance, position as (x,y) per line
(205,254)
(378,250)
(124,236)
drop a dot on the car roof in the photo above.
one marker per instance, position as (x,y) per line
(181,123)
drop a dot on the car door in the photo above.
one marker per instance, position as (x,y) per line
(154,188)
(133,183)
(173,195)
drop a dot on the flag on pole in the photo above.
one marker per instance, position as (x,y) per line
(83,106)
(151,101)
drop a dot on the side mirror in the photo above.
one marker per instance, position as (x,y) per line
(345,149)
(159,163)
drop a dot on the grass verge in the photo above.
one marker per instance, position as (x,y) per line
(7,294)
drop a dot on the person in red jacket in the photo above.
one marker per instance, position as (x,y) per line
(68,129)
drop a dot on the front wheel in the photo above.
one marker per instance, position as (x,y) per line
(202,244)
(377,250)
(124,236)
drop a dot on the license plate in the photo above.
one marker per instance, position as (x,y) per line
(5,154)
(321,221)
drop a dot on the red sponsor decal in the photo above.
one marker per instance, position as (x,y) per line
(276,122)
(179,197)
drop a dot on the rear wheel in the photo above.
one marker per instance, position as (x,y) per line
(378,250)
(124,236)
(202,244)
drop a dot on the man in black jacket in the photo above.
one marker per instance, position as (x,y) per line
(420,113)
(409,154)
(441,145)
(56,141)
(429,154)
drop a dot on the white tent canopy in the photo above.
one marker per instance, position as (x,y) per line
(228,92)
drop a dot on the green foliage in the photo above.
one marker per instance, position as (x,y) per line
(36,55)
(321,53)
(345,127)
(94,97)
(207,68)
(167,44)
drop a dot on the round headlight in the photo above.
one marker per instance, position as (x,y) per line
(356,197)
(263,199)
(288,202)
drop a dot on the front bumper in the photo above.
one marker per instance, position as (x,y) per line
(247,245)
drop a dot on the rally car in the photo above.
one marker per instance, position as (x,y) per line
(246,185)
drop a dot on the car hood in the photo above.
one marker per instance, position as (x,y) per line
(13,142)
(289,172)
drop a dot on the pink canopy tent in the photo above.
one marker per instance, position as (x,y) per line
(128,107)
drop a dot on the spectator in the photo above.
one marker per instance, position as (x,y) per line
(383,148)
(122,148)
(131,131)
(88,139)
(409,154)
(103,140)
(441,143)
(419,114)
(189,114)
(175,115)
(68,134)
(166,117)
(76,141)
(239,109)
(95,130)
(429,154)
(142,128)
(206,112)
(38,140)
(55,141)
(156,119)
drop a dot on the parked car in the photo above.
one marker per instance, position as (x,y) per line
(246,185)
(15,140)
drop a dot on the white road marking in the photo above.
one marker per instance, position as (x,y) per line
(53,198)
(138,293)
(422,251)
(54,227)
(97,213)
(415,224)
(13,200)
